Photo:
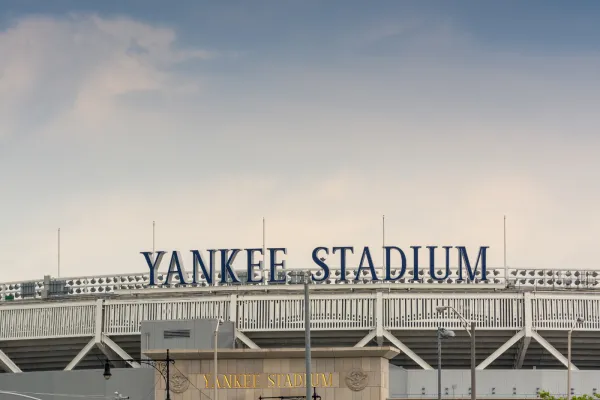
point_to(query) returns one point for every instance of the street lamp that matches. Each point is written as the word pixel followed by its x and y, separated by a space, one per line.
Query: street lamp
pixel 166 376
pixel 575 323
pixel 442 333
pixel 216 382
pixel 471 333
pixel 304 277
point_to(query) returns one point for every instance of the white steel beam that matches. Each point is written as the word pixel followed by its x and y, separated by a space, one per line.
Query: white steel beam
pixel 528 329
pixel 364 341
pixel 246 340
pixel 108 342
pixel 81 355
pixel 509 343
pixel 401 346
pixel 552 350
pixel 8 364
pixel 99 320
pixel 520 357
pixel 379 319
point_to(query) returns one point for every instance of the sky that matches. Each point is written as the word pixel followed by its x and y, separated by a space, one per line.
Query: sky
pixel 320 117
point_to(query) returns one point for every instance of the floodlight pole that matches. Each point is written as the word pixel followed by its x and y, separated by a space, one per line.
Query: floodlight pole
pixel 471 333
pixel 216 349
pixel 439 371
pixel 473 362
pixel 577 321
pixel 307 334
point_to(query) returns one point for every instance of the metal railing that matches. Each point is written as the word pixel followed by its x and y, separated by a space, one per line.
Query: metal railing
pixel 278 312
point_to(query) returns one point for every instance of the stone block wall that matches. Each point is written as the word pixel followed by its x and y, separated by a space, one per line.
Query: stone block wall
pixel 344 378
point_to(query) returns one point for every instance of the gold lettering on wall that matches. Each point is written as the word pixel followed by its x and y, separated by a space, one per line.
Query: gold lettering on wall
pixel 274 381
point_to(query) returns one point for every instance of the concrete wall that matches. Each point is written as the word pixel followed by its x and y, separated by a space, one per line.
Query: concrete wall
pixel 490 383
pixel 138 384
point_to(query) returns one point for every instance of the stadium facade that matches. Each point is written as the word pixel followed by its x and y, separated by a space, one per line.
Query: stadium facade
pixel 522 318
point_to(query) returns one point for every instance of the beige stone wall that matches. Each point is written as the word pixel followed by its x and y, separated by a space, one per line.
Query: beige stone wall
pixel 194 387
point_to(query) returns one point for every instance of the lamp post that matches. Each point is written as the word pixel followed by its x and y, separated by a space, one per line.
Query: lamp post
pixel 471 333
pixel 442 333
pixel 166 376
pixel 575 323
pixel 216 382
pixel 304 278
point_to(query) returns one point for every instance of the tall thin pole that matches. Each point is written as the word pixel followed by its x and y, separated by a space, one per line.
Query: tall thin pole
pixel 58 253
pixel 569 366
pixel 473 361
pixel 505 267
pixel 216 382
pixel 439 349
pixel 265 276
pixel 168 377
pixel 383 241
pixel 307 335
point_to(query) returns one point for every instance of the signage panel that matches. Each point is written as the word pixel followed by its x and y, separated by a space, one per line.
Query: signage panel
pixel 205 266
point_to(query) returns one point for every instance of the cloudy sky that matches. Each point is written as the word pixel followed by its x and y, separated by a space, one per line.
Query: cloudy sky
pixel 319 116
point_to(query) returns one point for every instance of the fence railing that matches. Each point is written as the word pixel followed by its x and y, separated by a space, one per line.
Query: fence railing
pixel 43 321
pixel 280 312
pixel 418 311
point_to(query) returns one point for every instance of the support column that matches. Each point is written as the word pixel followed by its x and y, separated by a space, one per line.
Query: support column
pixel 233 318
pixel 364 341
pixel 110 349
pixel 8 364
pixel 509 343
pixel 553 351
pixel 411 354
pixel 379 319
pixel 527 330
pixel 81 355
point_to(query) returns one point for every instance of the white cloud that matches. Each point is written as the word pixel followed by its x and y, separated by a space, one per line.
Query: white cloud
pixel 73 69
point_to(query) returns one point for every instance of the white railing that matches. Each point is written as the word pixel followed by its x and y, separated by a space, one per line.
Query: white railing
pixel 279 313
pixel 418 311
pixel 43 321
pixel 286 313
pixel 559 312
pixel 125 317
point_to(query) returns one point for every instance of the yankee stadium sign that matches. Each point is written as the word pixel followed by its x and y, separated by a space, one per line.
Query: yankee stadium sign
pixel 205 267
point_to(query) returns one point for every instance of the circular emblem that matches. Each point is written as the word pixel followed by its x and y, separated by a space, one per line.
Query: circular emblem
pixel 357 379
pixel 179 383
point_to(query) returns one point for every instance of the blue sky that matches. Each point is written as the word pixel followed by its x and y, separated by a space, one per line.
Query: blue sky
pixel 319 116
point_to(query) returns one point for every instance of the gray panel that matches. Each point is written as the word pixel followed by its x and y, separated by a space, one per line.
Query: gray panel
pixel 201 334
pixel 138 384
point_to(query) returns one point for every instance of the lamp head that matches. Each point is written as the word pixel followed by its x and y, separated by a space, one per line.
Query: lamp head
pixel 441 308
pixel 580 320
pixel 107 373
pixel 446 333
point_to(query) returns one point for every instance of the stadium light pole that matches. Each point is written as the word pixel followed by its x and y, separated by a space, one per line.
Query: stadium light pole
pixel 442 333
pixel 471 333
pixel 307 333
pixel 303 277
pixel 575 323
pixel 216 382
